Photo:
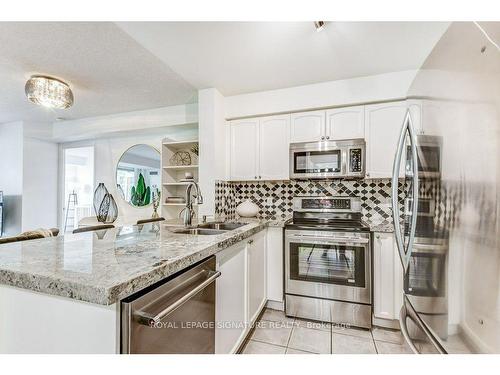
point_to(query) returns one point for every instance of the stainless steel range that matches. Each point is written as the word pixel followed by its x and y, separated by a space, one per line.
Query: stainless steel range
pixel 328 261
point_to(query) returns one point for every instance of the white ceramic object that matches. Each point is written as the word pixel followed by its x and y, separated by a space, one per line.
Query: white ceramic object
pixel 247 209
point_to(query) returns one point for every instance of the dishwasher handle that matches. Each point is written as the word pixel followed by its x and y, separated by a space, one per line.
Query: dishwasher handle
pixel 147 319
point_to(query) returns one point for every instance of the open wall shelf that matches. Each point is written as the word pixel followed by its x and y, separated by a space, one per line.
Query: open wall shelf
pixel 173 174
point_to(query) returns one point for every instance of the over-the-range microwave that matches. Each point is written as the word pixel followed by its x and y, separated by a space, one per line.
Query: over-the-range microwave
pixel 328 159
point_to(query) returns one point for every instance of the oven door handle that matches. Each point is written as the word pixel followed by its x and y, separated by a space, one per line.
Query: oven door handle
pixel 328 241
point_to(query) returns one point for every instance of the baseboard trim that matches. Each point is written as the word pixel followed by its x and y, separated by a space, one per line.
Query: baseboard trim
pixel 275 305
pixel 385 323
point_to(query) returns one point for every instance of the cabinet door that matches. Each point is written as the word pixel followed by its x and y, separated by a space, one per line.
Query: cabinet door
pixel 230 304
pixel 274 143
pixel 345 123
pixel 274 257
pixel 387 278
pixel 383 124
pixel 307 126
pixel 256 275
pixel 244 136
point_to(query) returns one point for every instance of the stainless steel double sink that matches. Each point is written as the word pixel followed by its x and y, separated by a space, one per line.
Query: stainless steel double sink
pixel 207 229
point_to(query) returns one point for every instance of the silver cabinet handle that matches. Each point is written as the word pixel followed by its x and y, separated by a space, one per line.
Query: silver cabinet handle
pixel 322 138
pixel 260 177
pixel 407 127
pixel 250 242
pixel 327 137
pixel 255 177
pixel 148 320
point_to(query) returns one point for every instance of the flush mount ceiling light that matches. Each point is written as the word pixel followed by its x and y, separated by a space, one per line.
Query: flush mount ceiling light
pixel 319 25
pixel 49 92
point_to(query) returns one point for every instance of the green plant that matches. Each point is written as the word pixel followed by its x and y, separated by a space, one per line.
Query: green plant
pixel 140 194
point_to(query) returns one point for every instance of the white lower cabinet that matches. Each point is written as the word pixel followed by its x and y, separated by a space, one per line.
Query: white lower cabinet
pixel 387 277
pixel 230 302
pixel 256 274
pixel 240 291
pixel 275 266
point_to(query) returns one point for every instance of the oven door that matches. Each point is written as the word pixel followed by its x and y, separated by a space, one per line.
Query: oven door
pixel 325 265
pixel 316 162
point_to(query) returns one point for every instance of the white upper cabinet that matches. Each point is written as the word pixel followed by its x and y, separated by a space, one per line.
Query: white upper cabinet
pixel 308 126
pixel 345 123
pixel 383 124
pixel 387 278
pixel 259 148
pixel 274 144
pixel 244 138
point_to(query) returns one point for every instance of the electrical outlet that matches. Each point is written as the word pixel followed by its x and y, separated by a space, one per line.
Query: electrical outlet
pixel 269 201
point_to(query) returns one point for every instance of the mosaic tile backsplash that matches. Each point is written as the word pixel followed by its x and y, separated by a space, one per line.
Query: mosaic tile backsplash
pixel 274 198
pixel 453 200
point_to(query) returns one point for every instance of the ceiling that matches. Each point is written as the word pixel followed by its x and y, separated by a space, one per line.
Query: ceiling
pixel 124 67
pixel 242 57
pixel 107 70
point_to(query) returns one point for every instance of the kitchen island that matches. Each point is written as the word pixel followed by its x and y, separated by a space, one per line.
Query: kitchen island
pixel 62 294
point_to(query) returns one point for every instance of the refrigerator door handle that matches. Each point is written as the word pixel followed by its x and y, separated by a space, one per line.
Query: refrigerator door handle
pixel 407 127
pixel 407 312
pixel 403 315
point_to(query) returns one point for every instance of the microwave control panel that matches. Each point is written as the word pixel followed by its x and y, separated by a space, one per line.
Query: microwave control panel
pixel 355 160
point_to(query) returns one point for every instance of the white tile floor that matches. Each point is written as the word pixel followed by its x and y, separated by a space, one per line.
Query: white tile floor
pixel 277 334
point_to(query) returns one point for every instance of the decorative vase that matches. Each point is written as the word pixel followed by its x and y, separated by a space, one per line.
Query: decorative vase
pixel 156 203
pixel 112 211
pixel 99 194
pixel 247 209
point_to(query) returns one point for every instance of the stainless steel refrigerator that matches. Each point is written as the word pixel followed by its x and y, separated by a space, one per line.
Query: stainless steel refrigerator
pixel 446 209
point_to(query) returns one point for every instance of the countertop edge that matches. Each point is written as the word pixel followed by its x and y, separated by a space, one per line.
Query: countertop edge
pixel 107 296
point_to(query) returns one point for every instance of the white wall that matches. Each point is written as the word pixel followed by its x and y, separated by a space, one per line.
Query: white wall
pixel 107 153
pixel 123 123
pixel 11 158
pixel 214 110
pixel 40 184
pixel 212 136
pixel 28 177
pixel 11 175
pixel 381 87
pixel 114 134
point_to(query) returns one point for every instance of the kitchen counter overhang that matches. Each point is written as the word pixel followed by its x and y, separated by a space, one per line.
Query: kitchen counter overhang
pixel 103 268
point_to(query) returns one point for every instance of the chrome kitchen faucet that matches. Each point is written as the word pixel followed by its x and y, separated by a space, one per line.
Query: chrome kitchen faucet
pixel 188 211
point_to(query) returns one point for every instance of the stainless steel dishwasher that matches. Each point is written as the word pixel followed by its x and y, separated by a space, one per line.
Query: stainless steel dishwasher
pixel 175 317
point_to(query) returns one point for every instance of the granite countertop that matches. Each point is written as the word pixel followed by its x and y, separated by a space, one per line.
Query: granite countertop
pixel 105 270
pixel 270 222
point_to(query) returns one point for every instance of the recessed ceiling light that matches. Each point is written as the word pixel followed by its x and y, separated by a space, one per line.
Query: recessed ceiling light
pixel 319 25
pixel 49 92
